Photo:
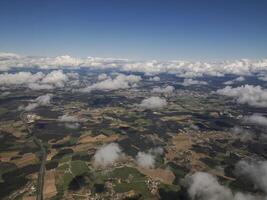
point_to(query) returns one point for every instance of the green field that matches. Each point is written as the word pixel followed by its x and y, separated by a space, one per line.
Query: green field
pixel 70 169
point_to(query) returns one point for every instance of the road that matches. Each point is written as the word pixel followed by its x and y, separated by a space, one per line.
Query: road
pixel 41 174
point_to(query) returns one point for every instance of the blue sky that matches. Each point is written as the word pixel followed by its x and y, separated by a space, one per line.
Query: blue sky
pixel 136 29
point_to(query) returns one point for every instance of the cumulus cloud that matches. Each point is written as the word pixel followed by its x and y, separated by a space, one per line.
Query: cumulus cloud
pixel 248 94
pixel 8 61
pixel 74 125
pixel 238 79
pixel 165 90
pixel 20 78
pixel 7 56
pixel 5 93
pixel 68 118
pixel 191 69
pixel 43 100
pixel 57 78
pixel 155 78
pixel 145 160
pixel 37 81
pixel 71 118
pixel 262 76
pixel 189 81
pixel 119 82
pixel 182 68
pixel 37 86
pixel 153 103
pixel 102 77
pixel 71 121
pixel 156 151
pixel 242 134
pixel 256 119
pixel 255 171
pixel 204 186
pixel 107 155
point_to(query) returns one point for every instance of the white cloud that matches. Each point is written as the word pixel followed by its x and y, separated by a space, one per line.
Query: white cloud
pixel 262 76
pixel 119 82
pixel 8 56
pixel 71 118
pixel 20 78
pixel 248 94
pixel 43 100
pixel 5 93
pixel 204 186
pixel 74 125
pixel 153 103
pixel 156 151
pixel 166 90
pixel 242 134
pixel 107 155
pixel 102 77
pixel 37 86
pixel 37 81
pixel 57 78
pixel 188 82
pixel 72 121
pixel 68 118
pixel 255 171
pixel 155 78
pixel 256 119
pixel 238 79
pixel 182 68
pixel 145 160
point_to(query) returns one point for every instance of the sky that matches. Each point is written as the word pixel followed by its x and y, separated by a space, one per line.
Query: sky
pixel 136 29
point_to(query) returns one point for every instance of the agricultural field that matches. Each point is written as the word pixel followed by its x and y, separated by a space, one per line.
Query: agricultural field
pixel 134 143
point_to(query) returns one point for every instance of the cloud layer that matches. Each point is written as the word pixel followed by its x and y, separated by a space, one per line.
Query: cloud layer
pixel 37 81
pixel 165 90
pixel 189 81
pixel 180 67
pixel 238 79
pixel 247 94
pixel 119 82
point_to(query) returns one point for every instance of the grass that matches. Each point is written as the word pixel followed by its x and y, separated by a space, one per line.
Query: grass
pixel 170 188
pixel 73 140
pixel 78 167
pixel 137 183
pixel 169 191
pixel 143 122
pixel 3 111
pixel 67 172
pixel 124 172
pixel 107 131
pixel 5 169
pixel 137 186
pixel 65 158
